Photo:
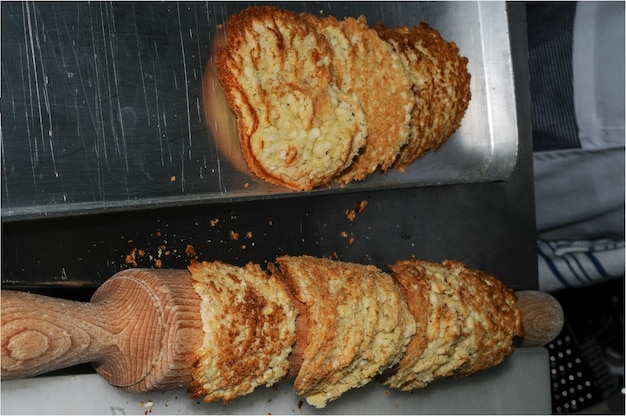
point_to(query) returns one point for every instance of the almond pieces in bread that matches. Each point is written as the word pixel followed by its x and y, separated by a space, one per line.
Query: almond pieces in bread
pixel 249 320
pixel 441 84
pixel 335 326
pixel 466 321
pixel 358 324
pixel 366 65
pixel 296 128
pixel 319 100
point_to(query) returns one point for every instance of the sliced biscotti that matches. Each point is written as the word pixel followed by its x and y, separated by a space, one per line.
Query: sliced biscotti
pixel 441 83
pixel 357 324
pixel 248 320
pixel 367 66
pixel 471 321
pixel 296 128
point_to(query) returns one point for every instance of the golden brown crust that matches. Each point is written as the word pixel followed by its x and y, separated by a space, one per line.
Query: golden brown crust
pixel 307 110
pixel 357 324
pixel 441 84
pixel 249 328
pixel 296 128
pixel 359 56
pixel 472 319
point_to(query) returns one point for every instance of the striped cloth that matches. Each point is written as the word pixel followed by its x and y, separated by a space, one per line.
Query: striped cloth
pixel 550 38
pixel 576 67
pixel 567 264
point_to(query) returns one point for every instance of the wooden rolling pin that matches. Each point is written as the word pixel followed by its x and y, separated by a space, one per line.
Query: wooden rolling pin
pixel 143 326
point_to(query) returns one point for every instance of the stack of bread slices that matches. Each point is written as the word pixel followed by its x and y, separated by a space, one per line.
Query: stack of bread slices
pixel 333 326
pixel 321 101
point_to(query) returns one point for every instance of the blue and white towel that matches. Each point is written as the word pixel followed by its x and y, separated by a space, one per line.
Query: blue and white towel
pixel 567 264
pixel 576 62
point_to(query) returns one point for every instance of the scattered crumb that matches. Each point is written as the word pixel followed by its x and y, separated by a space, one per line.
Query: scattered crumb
pixel 214 222
pixel 246 185
pixel 131 258
pixel 300 403
pixel 233 235
pixel 249 234
pixel 351 240
pixel 173 178
pixel 190 251
pixel 359 207
pixel 343 234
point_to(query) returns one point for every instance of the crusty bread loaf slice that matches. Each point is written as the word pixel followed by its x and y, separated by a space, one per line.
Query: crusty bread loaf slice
pixel 357 324
pixel 366 65
pixel 472 319
pixel 441 83
pixel 248 320
pixel 296 128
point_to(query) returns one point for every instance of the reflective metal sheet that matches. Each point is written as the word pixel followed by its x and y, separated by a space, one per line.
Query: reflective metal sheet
pixel 103 105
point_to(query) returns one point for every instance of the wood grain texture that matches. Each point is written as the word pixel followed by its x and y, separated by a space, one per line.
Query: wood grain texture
pixel 140 331
pixel 542 317
pixel 41 334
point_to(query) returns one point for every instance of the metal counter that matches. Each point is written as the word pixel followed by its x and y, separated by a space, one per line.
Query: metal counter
pixel 67 246
pixel 110 106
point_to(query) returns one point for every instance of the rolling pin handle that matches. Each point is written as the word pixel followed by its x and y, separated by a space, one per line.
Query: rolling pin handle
pixel 141 331
pixel 42 334
pixel 542 317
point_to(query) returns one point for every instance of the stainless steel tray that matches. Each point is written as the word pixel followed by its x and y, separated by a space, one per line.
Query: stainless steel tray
pixel 102 104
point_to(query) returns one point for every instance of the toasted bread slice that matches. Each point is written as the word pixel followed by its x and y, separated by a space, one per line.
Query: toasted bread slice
pixel 296 128
pixel 249 320
pixel 357 324
pixel 472 319
pixel 366 65
pixel 441 84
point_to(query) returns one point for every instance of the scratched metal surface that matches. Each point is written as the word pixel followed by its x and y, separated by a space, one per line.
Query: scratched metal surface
pixel 103 108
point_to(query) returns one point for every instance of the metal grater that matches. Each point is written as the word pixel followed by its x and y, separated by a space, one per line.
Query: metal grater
pixel 573 387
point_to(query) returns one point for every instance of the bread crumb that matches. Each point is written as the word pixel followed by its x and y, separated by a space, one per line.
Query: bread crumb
pixel 360 206
pixel 343 234
pixel 132 258
pixel 173 178
pixel 190 251
pixel 214 222
pixel 234 235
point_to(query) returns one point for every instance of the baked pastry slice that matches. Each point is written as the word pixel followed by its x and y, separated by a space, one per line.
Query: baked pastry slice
pixel 296 128
pixel 249 320
pixel 441 85
pixel 358 325
pixel 466 322
pixel 367 66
